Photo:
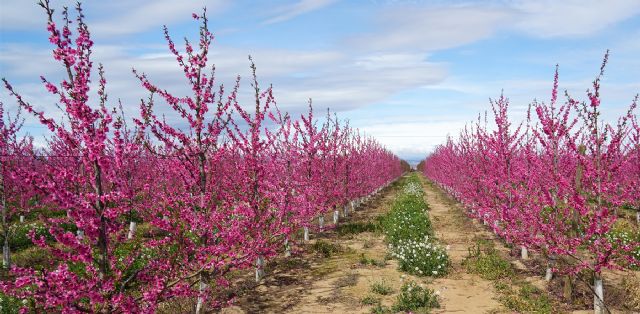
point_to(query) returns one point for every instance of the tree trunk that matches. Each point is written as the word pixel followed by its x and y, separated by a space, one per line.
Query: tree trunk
pixel 259 268
pixel 201 289
pixel 132 230
pixel 6 253
pixel 549 274
pixel 287 248
pixel 567 289
pixel 550 263
pixel 598 297
pixel 102 232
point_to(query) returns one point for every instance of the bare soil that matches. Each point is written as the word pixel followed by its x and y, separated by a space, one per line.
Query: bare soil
pixel 454 228
pixel 460 291
pixel 309 282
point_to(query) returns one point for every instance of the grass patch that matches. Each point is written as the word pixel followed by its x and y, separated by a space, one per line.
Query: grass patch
pixel 421 258
pixel 367 244
pixel 9 305
pixel 381 288
pixel 357 227
pixel 34 256
pixel 347 281
pixel 326 249
pixel 380 309
pixel 487 263
pixel 20 240
pixel 364 260
pixel 408 231
pixel 407 219
pixel 625 233
pixel 414 298
pixel 526 299
pixel 370 300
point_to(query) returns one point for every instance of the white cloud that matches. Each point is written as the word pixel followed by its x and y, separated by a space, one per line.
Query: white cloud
pixel 293 10
pixel 364 80
pixel 427 28
pixel 25 15
pixel 109 18
pixel 572 18
pixel 333 79
pixel 134 17
pixel 442 25
pixel 413 140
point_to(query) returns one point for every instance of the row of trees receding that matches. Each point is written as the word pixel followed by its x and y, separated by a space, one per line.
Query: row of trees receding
pixel 137 215
pixel 556 183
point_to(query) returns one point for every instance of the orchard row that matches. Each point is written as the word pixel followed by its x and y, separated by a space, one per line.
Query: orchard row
pixel 563 183
pixel 132 216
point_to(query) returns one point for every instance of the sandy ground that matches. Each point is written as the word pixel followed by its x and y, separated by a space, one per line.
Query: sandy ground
pixel 336 284
pixel 453 228
pixel 310 283
pixel 460 292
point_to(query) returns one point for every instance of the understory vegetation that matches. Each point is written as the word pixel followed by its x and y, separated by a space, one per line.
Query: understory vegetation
pixel 408 231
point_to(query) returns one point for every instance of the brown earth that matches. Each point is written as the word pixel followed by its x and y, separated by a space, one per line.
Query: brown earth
pixel 334 284
pixel 338 284
pixel 460 291
pixel 309 282
pixel 452 227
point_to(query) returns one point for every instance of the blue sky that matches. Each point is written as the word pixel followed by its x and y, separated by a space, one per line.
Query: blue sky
pixel 406 72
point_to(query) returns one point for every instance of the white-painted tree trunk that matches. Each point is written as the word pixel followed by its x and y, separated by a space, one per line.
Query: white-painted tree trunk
pixel 598 298
pixel 6 254
pixel 306 233
pixel 287 248
pixel 259 268
pixel 336 215
pixel 524 253
pixel 638 217
pixel 345 211
pixel 201 288
pixel 132 230
pixel 549 274
pixel 550 263
pixel 321 223
pixel 21 218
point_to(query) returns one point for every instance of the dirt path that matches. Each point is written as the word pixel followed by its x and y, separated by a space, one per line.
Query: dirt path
pixel 460 292
pixel 311 283
pixel 468 293
pixel 335 271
